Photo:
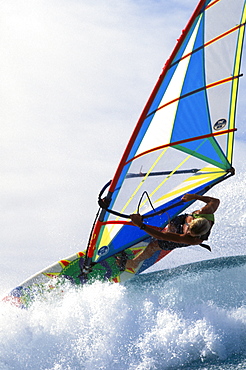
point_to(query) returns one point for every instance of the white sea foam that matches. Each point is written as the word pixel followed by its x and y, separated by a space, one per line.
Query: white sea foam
pixel 164 320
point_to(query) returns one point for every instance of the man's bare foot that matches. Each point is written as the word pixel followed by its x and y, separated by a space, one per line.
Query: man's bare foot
pixel 132 264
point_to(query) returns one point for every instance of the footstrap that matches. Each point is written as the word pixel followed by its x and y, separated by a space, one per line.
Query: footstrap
pixel 122 260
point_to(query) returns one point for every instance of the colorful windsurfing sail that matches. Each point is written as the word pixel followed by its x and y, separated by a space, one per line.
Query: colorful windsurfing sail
pixel 183 141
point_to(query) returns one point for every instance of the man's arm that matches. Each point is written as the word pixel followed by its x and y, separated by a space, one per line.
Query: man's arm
pixel 172 237
pixel 211 206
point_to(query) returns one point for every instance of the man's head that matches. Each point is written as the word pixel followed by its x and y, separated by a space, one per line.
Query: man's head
pixel 199 226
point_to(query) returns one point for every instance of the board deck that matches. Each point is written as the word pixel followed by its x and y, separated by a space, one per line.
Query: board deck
pixel 70 270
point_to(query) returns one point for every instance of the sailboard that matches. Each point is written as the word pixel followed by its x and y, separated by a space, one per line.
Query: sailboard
pixel 182 143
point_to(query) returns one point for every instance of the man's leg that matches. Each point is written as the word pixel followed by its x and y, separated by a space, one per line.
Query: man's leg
pixel 151 248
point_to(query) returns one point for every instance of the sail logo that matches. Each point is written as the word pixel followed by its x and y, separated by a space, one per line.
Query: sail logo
pixel 103 251
pixel 220 124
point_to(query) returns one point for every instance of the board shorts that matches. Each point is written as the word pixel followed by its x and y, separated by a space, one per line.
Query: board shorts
pixel 178 222
pixel 166 245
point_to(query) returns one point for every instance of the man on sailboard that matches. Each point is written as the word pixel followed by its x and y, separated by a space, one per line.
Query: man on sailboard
pixel 182 231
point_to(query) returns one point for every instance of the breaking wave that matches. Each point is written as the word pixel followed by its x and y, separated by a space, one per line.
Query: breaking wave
pixel 192 316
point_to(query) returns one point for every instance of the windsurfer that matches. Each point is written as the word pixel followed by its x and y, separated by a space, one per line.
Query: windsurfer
pixel 182 231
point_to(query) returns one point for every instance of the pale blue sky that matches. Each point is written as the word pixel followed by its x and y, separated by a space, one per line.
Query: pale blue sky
pixel 75 76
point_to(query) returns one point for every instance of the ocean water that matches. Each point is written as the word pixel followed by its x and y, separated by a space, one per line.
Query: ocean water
pixel 188 317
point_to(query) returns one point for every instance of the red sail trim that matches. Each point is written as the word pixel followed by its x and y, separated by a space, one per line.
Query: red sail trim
pixel 199 8
pixel 181 142
pixel 96 231
pixel 92 245
pixel 209 86
pixel 116 223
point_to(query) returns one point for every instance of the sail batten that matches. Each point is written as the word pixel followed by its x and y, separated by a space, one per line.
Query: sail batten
pixel 234 29
pixel 182 142
pixel 209 86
